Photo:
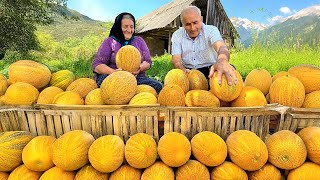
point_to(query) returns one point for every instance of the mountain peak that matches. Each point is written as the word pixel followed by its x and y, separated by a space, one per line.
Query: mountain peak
pixel 309 11
pixel 247 24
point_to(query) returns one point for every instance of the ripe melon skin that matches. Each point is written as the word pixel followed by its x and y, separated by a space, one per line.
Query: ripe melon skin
pixel 31 72
pixel 62 79
pixel 20 93
pixel 128 58
pixel 118 88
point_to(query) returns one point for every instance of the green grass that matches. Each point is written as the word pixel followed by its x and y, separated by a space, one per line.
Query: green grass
pixel 273 59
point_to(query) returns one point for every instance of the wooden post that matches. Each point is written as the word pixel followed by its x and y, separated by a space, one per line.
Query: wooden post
pixel 210 12
pixel 169 42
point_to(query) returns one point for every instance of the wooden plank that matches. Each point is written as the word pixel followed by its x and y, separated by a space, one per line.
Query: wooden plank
pixel 85 123
pixel 217 125
pixel 133 124
pixel 125 127
pixel 210 12
pixel 94 126
pixel 41 124
pixel 140 124
pixel 117 126
pixel 32 123
pixel 240 122
pixel 177 121
pixel 76 121
pixel 50 126
pixel 149 125
pixel 185 127
pixel 58 125
pixel 210 123
pixel 233 121
pixel 287 123
pixel 109 125
pixel 156 129
pixel 225 127
pixel 65 123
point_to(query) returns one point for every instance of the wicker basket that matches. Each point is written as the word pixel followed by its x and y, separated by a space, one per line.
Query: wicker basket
pixel 55 120
pixel 223 121
pixel 295 119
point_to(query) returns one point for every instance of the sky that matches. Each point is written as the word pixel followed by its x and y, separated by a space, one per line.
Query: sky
pixel 264 11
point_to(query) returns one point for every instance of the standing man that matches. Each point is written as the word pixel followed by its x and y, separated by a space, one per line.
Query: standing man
pixel 199 46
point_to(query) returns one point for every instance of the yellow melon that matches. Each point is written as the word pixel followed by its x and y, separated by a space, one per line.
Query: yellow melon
pixel 146 88
pixel 62 79
pixel 118 88
pixel 23 173
pixel 3 84
pixel 249 96
pixel 287 91
pixel 227 171
pixel 306 171
pixel 197 80
pixel 158 171
pixel 21 93
pixel 279 74
pixel 224 91
pixel 106 154
pixel 128 58
pixel 267 172
pixel 286 150
pixel 171 95
pixel 209 148
pixel 57 173
pixel 70 151
pixel 201 98
pixel 88 172
pixel 4 175
pixel 11 146
pixel 31 72
pixel 82 86
pixel 192 170
pixel 141 150
pixel 143 98
pixel 311 138
pixel 126 172
pixel 37 154
pixel 260 79
pixel 94 97
pixel 68 98
pixel 174 149
pixel 309 75
pixel 312 100
pixel 247 150
pixel 177 77
pixel 47 95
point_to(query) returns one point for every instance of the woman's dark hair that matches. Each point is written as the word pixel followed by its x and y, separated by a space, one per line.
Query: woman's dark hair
pixel 116 30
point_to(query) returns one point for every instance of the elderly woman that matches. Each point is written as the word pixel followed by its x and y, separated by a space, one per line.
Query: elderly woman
pixel 121 34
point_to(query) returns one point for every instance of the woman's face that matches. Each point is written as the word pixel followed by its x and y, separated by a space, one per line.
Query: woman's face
pixel 127 27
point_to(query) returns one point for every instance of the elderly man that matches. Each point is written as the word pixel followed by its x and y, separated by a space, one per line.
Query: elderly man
pixel 200 46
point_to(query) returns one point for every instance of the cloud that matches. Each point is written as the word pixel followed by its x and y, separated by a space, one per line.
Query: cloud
pixel 285 10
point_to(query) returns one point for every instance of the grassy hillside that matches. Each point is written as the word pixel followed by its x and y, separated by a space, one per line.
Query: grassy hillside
pixel 71 24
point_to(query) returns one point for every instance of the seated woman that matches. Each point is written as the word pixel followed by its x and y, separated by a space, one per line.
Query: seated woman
pixel 121 34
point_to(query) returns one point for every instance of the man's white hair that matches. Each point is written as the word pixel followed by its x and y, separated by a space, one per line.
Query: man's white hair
pixel 188 9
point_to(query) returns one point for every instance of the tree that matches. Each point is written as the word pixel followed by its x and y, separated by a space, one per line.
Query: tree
pixel 18 21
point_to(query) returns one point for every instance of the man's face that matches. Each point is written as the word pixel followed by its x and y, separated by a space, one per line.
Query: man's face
pixel 192 23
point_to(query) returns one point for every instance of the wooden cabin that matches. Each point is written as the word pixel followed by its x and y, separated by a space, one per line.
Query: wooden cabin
pixel 157 27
